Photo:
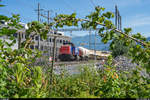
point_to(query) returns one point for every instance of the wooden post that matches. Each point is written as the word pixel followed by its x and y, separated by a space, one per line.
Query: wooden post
pixel 53 59
pixel 19 40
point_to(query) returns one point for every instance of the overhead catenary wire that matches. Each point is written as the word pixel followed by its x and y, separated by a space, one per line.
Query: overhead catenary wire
pixel 92 3
pixel 115 29
pixel 22 17
pixel 70 7
pixel 90 31
pixel 27 4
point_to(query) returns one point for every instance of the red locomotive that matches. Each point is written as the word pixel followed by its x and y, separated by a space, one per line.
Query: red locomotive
pixel 68 52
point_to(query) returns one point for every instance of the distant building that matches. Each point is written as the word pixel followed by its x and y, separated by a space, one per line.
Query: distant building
pixel 44 45
pixel 47 45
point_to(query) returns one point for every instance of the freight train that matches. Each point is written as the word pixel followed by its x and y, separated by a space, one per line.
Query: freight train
pixel 68 52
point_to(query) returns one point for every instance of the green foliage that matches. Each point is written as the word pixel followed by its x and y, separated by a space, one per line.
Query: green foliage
pixel 106 83
pixel 120 47
pixel 18 78
pixel 69 20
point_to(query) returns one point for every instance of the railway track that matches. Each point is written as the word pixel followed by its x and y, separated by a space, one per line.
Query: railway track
pixel 66 63
pixel 70 62
pixel 74 62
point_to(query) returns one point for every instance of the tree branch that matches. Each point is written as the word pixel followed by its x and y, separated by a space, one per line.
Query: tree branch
pixel 126 35
pixel 28 41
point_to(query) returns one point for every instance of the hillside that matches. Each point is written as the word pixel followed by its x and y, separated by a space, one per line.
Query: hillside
pixel 85 39
pixel 148 38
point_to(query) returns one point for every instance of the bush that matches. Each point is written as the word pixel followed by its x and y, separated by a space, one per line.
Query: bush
pixel 120 48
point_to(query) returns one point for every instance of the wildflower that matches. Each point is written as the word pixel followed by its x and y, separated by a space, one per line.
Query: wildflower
pixel 112 76
pixel 108 69
pixel 104 78
pixel 116 75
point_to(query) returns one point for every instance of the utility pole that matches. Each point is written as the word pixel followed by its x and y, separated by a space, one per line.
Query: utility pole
pixel 70 33
pixel 90 39
pixel 118 21
pixel 38 12
pixel 120 24
pixel 95 46
pixel 56 14
pixel 48 15
pixel 116 16
pixel 19 40
pixel 53 59
pixel 38 15
pixel 38 18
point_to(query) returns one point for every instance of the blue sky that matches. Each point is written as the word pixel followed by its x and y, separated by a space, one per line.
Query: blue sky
pixel 135 13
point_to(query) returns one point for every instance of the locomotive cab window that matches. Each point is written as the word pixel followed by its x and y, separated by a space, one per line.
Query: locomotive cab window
pixel 37 38
pixel 50 40
pixel 15 35
pixel 63 41
pixel 60 41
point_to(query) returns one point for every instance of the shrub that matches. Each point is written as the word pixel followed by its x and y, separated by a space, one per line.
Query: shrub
pixel 119 48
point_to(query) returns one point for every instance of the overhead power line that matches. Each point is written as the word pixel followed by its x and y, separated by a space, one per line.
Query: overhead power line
pixel 92 3
pixel 25 3
pixel 67 4
pixel 22 17
pixel 76 29
pixel 70 7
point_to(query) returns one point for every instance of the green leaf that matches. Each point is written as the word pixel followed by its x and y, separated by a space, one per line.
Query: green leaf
pixel 108 37
pixel 127 30
pixel 108 15
pixel 107 23
pixel 2 5
pixel 112 46
pixel 101 19
pixel 102 8
pixel 131 49
pixel 122 36
pixel 115 35
pixel 5 18
pixel 104 40
pixel 147 55
pixel 138 46
pixel 101 30
pixel 73 15
pixel 127 43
